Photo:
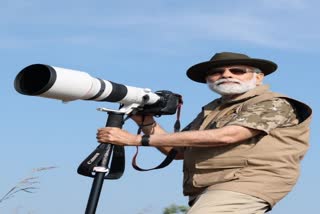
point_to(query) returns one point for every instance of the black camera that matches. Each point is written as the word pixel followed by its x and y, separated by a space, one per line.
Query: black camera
pixel 166 105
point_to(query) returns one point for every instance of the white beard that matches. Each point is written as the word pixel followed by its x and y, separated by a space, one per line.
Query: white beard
pixel 238 87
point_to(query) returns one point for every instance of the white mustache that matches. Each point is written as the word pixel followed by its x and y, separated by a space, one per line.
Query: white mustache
pixel 218 82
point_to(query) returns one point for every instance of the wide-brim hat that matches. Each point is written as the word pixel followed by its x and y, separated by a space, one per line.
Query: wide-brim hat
pixel 199 71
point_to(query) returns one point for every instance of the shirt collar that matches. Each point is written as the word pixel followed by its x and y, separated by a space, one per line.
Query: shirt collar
pixel 261 89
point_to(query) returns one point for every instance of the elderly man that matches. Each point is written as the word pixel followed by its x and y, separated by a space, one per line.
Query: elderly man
pixel 242 152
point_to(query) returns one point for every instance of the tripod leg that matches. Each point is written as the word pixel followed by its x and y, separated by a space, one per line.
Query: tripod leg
pixel 98 183
pixel 114 120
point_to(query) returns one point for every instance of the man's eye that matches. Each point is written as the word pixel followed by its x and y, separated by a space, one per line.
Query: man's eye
pixel 238 71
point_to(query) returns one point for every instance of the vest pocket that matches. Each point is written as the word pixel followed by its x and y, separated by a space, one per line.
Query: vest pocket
pixel 217 170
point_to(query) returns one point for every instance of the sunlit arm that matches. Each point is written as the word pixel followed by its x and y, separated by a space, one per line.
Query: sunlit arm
pixel 164 141
pixel 206 138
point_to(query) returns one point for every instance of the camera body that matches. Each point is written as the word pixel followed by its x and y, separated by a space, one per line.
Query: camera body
pixel 166 105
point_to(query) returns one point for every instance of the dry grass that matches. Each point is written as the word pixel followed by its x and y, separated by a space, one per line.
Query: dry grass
pixel 28 184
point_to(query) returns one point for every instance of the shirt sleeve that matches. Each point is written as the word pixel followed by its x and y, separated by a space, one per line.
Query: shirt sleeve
pixel 266 115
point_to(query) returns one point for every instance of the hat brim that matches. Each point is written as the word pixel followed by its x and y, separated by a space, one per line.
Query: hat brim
pixel 199 71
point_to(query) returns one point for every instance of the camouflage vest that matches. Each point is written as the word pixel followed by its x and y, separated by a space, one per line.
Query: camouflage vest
pixel 266 167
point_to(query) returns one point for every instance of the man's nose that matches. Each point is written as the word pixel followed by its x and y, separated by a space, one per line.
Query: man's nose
pixel 226 73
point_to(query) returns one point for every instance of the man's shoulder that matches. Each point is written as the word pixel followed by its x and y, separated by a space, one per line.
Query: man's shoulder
pixel 275 106
pixel 278 102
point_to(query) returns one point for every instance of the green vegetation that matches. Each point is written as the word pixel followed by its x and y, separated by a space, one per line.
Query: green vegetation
pixel 175 209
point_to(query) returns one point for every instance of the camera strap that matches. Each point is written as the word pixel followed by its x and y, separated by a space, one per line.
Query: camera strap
pixel 102 152
pixel 177 123
pixel 171 154
pixel 170 157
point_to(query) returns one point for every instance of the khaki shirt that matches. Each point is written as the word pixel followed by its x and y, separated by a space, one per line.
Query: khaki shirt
pixel 265 116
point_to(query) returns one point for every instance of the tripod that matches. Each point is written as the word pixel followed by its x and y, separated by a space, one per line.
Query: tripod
pixel 96 165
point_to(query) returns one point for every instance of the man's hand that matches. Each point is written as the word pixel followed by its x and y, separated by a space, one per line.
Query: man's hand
pixel 117 136
pixel 140 119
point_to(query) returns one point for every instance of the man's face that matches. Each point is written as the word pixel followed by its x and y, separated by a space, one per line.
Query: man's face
pixel 232 80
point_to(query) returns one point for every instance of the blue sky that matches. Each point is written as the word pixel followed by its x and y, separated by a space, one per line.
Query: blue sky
pixel 143 44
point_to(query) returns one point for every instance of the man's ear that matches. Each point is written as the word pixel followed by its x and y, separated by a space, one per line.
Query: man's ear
pixel 259 78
